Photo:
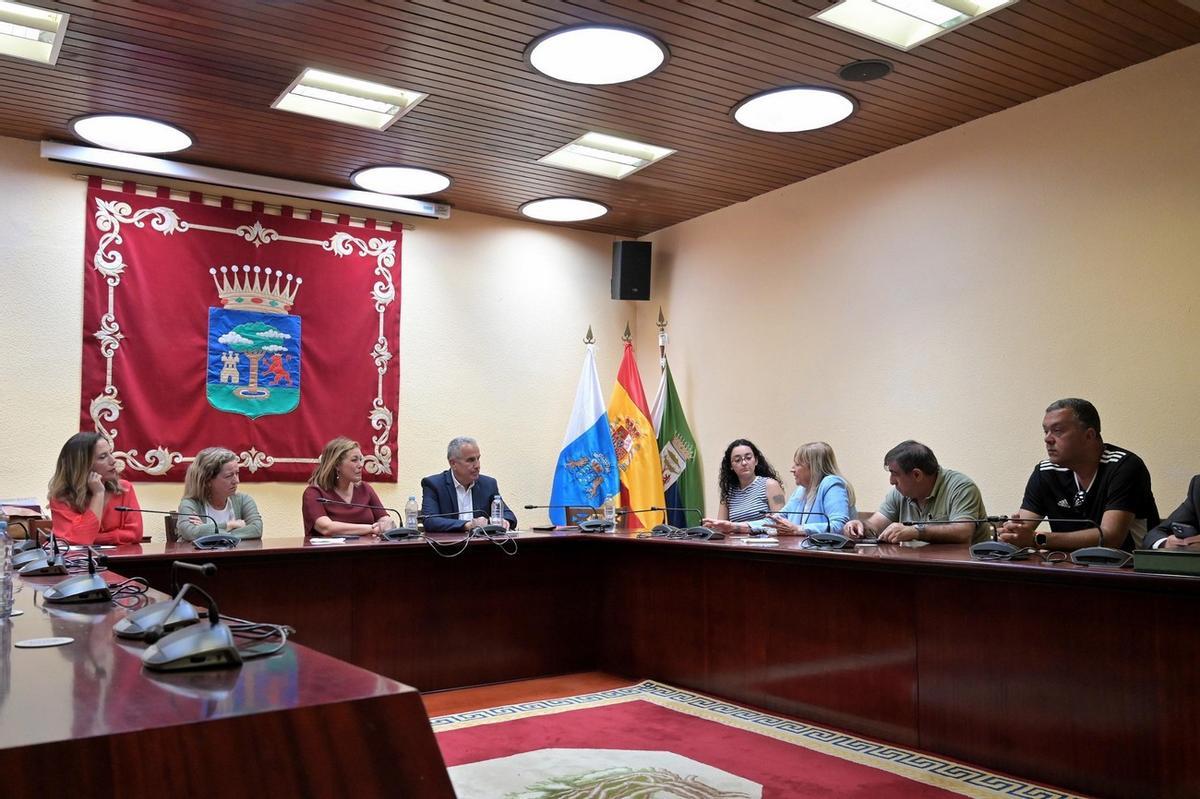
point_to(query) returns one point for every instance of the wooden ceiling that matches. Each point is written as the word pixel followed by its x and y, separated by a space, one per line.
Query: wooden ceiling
pixel 214 68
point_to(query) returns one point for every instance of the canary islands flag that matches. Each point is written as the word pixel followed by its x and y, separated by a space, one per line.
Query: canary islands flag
pixel 683 484
pixel 586 473
pixel 635 445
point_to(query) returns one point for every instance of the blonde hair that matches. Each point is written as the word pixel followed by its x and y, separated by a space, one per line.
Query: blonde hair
pixel 203 469
pixel 70 480
pixel 325 475
pixel 821 462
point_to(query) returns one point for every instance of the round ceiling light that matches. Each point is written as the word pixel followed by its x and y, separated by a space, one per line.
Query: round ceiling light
pixel 130 134
pixel 563 209
pixel 793 108
pixel 408 181
pixel 596 55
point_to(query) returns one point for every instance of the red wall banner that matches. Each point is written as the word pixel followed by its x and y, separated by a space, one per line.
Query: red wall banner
pixel 211 326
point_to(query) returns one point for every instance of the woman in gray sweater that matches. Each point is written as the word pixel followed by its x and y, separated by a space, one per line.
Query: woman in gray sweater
pixel 210 489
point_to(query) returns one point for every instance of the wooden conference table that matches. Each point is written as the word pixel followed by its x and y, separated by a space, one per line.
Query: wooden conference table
pixel 85 719
pixel 1075 676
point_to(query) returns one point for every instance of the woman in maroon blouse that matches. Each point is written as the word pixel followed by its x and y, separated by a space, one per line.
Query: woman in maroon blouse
pixel 333 503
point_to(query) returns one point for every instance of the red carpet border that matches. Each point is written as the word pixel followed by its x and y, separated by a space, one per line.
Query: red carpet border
pixel 928 770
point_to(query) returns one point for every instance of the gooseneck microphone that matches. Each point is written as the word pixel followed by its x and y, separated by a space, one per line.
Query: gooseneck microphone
pixel 160 618
pixel 214 540
pixel 81 588
pixel 45 563
pixel 1099 555
pixel 665 530
pixel 199 646
pixel 587 525
pixel 397 533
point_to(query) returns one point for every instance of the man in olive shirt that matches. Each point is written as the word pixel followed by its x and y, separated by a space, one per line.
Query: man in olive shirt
pixel 924 492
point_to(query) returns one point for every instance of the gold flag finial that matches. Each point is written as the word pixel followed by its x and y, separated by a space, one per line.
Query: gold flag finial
pixel 627 336
pixel 662 322
pixel 589 338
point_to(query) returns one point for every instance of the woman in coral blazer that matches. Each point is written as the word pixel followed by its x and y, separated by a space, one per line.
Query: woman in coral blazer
pixel 86 492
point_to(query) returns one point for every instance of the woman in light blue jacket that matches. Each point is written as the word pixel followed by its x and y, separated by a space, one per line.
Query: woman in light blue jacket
pixel 821 492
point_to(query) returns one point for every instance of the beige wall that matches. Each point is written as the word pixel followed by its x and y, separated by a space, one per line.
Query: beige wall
pixel 949 289
pixel 493 316
pixel 955 285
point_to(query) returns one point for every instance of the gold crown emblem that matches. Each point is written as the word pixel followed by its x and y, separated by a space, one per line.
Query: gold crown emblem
pixel 248 288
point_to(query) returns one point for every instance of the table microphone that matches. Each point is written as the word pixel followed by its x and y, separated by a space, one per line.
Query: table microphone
pixel 89 587
pixel 699 532
pixel 199 646
pixel 45 563
pixel 398 533
pixel 1099 555
pixel 163 617
pixel 214 540
pixel 31 555
pixel 587 525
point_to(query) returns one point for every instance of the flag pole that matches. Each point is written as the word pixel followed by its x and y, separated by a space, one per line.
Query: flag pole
pixel 662 341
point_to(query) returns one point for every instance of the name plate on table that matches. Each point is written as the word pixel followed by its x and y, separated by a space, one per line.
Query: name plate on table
pixel 1167 561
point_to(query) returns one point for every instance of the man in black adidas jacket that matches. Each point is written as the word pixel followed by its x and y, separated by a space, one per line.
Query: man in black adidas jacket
pixel 1095 494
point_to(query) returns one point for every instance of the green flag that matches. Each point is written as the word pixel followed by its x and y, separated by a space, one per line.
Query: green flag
pixel 682 481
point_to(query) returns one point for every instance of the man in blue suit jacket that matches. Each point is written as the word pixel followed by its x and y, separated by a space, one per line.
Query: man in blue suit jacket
pixel 461 488
pixel 1187 514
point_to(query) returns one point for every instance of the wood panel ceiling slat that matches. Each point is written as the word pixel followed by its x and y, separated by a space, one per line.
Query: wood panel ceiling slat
pixel 214 68
pixel 873 141
pixel 948 66
pixel 1148 30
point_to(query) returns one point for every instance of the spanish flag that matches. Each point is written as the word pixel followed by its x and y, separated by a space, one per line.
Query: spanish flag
pixel 636 445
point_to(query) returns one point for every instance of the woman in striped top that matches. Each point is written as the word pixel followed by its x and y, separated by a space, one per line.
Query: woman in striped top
pixel 750 489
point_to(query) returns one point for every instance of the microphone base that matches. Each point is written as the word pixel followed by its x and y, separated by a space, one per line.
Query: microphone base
pixel 1101 556
pixel 24 545
pixel 495 530
pixel 997 550
pixel 216 541
pixel 43 568
pixel 597 526
pixel 79 589
pixel 704 534
pixel 136 624
pixel 665 531
pixel 27 557
pixel 201 646
pixel 401 534
pixel 830 542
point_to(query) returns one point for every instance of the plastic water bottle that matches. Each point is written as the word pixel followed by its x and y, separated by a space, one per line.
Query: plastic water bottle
pixel 610 514
pixel 410 513
pixel 497 517
pixel 6 570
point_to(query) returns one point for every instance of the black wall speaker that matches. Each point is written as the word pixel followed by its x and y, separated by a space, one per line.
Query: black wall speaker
pixel 631 270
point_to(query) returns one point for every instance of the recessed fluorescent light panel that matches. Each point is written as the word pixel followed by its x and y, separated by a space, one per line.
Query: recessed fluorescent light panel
pixel 563 209
pixel 348 100
pixel 31 33
pixel 607 156
pixel 793 109
pixel 596 55
pixel 130 134
pixel 406 181
pixel 904 24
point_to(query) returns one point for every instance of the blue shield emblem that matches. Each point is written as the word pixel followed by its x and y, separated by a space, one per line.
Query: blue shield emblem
pixel 253 362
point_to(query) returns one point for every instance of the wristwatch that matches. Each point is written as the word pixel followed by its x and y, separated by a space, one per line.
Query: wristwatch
pixel 1040 540
pixel 920 528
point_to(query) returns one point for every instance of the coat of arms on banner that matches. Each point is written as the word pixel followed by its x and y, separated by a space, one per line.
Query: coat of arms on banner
pixel 254 343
